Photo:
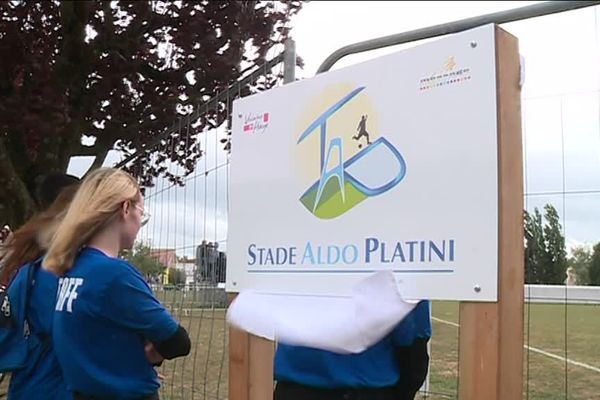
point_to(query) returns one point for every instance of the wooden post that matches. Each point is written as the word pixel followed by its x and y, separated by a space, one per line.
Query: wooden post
pixel 250 366
pixel 261 368
pixel 491 334
pixel 239 360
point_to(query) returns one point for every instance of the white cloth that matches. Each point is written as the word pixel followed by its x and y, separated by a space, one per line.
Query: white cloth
pixel 339 324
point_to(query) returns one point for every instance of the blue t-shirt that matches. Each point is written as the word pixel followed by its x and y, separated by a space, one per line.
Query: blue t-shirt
pixel 104 312
pixel 373 368
pixel 42 377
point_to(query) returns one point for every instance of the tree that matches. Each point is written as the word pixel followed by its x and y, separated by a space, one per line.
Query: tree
pixel 84 77
pixel 555 263
pixel 535 248
pixel 581 257
pixel 141 257
pixel 545 253
pixel 176 276
pixel 594 269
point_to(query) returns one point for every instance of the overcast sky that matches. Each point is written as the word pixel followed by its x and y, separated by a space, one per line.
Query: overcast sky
pixel 561 111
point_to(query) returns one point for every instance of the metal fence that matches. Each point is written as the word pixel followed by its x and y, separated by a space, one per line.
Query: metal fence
pixel 561 358
pixel 187 231
pixel 561 132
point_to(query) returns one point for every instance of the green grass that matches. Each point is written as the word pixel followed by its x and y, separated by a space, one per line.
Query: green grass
pixel 204 374
pixel 568 331
pixel 546 378
pixel 443 367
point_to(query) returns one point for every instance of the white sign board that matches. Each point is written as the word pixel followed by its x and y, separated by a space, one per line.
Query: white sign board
pixel 388 164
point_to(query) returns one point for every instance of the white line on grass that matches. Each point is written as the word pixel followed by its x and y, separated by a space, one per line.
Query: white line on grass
pixel 443 321
pixel 535 350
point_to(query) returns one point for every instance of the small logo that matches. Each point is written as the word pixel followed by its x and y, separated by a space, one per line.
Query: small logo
pixel 255 123
pixel 450 64
pixel 450 74
pixel 6 307
pixel 373 169
pixel 6 319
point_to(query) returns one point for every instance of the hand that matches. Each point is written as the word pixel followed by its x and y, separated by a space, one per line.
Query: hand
pixel 152 355
pixel 161 377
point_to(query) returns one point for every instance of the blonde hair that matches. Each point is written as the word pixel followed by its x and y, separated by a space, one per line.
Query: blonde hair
pixel 95 205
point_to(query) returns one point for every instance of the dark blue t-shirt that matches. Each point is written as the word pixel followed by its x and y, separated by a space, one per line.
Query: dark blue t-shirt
pixel 104 313
pixel 42 377
pixel 373 368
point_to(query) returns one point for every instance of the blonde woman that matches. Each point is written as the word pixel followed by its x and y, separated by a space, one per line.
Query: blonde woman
pixel 109 329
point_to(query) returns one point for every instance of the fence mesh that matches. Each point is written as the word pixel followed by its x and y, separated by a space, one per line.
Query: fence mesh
pixel 561 129
pixel 187 232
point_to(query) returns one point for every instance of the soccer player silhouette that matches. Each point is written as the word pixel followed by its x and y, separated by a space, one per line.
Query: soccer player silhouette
pixel 362 130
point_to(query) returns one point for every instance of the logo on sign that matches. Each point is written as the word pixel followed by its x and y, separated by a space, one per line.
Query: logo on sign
pixel 256 123
pixel 353 164
pixel 450 74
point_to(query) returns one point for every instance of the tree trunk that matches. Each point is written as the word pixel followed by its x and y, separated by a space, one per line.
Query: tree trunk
pixel 16 203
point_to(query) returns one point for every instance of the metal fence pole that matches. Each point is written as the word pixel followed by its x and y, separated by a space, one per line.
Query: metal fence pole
pixel 221 96
pixel 289 61
pixel 536 10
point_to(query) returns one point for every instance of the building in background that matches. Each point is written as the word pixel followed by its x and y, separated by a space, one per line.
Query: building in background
pixel 168 258
pixel 188 266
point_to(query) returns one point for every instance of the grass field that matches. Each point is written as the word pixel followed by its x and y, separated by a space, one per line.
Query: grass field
pixel 546 378
pixel 204 374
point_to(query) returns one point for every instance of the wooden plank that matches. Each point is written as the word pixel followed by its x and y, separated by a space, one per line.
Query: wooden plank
pixel 478 352
pixel 491 335
pixel 261 368
pixel 511 256
pixel 250 365
pixel 239 362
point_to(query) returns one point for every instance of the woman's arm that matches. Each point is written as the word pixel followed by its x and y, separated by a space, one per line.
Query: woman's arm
pixel 178 345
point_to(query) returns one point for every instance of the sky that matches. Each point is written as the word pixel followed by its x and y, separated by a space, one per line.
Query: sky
pixel 561 112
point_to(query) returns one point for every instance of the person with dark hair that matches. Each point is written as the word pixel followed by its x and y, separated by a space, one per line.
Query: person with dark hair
pixel 51 185
pixel 22 282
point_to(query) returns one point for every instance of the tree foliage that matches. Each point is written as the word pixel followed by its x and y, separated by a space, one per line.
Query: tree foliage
pixel 176 276
pixel 81 78
pixel 545 252
pixel 594 267
pixel 141 257
pixel 580 259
